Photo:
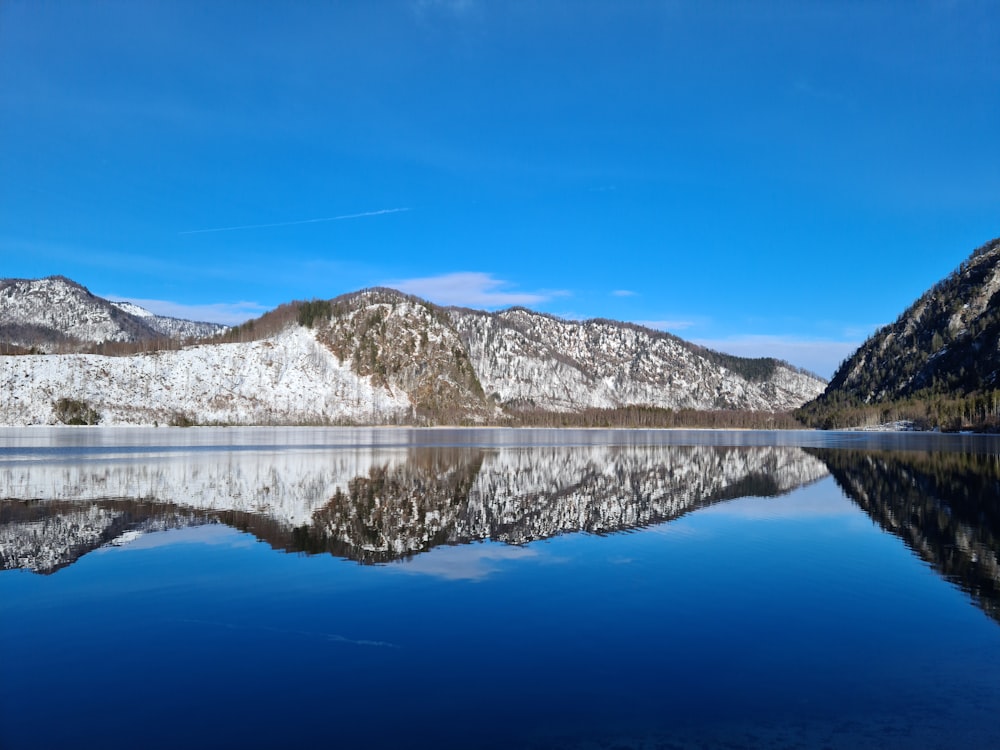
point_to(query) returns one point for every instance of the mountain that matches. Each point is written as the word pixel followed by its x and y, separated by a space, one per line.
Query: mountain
pixel 528 360
pixel 57 314
pixel 460 362
pixel 938 364
pixel 173 328
pixel 379 356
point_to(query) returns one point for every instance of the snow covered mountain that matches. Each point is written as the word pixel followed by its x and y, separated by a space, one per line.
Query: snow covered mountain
pixel 372 357
pixel 409 347
pixel 376 504
pixel 173 328
pixel 57 314
pixel 459 364
pixel 530 360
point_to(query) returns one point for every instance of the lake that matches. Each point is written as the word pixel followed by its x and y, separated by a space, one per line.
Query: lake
pixel 385 588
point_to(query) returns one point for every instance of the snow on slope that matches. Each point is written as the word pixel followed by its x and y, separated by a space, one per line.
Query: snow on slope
pixel 55 313
pixel 377 356
pixel 56 309
pixel 286 486
pixel 289 378
pixel 529 360
pixel 133 309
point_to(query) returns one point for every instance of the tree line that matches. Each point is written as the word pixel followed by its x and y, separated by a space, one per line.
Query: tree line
pixel 656 417
pixel 975 412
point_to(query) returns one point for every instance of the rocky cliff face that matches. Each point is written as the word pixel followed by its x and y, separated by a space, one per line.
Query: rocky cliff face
pixel 409 347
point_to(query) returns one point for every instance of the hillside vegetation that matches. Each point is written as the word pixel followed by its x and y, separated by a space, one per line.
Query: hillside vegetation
pixel 937 365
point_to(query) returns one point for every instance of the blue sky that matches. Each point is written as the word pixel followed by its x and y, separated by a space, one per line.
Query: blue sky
pixel 769 178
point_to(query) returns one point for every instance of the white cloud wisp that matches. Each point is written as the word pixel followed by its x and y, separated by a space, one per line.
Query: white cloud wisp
pixel 343 217
pixel 469 289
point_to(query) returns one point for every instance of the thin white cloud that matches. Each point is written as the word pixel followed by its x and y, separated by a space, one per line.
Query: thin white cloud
pixel 380 212
pixel 624 293
pixel 821 356
pixel 470 289
pixel 227 313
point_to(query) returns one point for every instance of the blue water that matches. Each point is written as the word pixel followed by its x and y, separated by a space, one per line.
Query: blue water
pixel 792 620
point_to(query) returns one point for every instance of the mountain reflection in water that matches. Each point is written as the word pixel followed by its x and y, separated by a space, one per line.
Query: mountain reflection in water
pixel 377 504
pixel 944 506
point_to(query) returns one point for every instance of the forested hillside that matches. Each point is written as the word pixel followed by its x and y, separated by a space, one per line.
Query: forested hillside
pixel 937 365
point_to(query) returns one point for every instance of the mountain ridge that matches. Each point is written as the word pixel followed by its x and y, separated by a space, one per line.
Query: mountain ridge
pixel 56 314
pixel 380 356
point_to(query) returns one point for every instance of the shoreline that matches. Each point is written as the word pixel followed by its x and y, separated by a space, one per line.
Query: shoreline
pixel 877 429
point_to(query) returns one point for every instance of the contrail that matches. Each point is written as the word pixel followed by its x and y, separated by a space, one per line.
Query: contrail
pixel 300 221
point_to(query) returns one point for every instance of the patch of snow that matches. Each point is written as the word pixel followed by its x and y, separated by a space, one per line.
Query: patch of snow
pixel 533 359
pixel 290 379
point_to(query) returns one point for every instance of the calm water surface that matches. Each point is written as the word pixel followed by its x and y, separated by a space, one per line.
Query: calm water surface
pixel 381 588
